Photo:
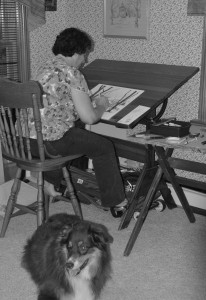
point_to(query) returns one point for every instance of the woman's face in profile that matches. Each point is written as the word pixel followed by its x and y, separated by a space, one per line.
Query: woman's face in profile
pixel 81 59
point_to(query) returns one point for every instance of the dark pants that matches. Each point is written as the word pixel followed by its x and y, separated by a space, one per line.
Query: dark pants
pixel 102 153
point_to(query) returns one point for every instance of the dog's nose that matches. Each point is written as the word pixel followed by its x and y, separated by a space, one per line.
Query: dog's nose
pixel 70 265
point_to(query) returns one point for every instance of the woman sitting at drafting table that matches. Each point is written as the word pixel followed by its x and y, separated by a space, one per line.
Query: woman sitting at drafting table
pixel 67 99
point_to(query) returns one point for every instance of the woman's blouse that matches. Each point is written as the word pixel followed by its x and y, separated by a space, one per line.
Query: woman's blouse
pixel 59 114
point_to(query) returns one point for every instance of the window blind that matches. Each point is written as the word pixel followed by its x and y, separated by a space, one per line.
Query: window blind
pixel 14 45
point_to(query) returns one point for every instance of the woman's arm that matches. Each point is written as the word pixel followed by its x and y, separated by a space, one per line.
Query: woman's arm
pixel 87 113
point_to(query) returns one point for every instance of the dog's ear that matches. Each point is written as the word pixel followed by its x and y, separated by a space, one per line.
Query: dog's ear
pixel 61 225
pixel 64 233
pixel 100 234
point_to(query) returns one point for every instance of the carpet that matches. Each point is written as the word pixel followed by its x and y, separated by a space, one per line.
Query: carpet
pixel 168 260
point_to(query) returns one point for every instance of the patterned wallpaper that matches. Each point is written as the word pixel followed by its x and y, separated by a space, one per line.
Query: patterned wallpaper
pixel 174 38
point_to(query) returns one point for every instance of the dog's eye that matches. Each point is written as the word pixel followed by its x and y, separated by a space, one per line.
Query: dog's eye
pixel 82 247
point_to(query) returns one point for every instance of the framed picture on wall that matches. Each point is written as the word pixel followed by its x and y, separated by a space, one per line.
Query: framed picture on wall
pixel 126 18
pixel 50 5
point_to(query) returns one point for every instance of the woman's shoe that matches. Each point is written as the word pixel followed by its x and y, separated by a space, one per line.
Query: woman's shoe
pixel 118 211
pixel 50 190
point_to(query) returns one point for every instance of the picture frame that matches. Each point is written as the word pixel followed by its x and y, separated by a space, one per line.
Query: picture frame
pixel 196 7
pixel 50 5
pixel 126 18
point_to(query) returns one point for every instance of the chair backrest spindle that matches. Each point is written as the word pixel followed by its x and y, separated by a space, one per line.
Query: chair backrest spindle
pixel 13 132
pixel 3 135
pixel 38 126
pixel 27 135
pixel 20 133
pixel 7 130
pixel 16 101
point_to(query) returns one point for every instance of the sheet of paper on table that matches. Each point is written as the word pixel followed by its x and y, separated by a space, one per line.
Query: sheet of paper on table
pixel 119 98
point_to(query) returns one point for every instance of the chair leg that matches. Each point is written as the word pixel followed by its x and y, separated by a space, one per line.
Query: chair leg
pixel 40 200
pixel 75 203
pixel 48 199
pixel 11 202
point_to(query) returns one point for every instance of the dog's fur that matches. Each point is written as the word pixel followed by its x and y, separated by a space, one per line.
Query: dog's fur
pixel 68 259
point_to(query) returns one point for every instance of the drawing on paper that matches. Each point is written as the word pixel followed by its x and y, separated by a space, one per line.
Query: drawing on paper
pixel 119 98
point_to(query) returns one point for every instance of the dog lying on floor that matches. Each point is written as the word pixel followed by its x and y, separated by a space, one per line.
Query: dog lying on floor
pixel 68 258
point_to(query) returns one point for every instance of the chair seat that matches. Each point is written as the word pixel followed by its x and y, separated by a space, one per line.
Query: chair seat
pixel 36 165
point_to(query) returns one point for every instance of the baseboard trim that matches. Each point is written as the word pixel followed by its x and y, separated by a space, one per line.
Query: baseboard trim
pixel 199 211
pixel 196 199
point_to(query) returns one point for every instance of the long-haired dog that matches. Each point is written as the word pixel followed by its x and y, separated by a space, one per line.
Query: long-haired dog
pixel 68 259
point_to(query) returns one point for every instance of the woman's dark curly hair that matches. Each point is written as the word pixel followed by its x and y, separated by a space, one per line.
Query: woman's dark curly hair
pixel 71 41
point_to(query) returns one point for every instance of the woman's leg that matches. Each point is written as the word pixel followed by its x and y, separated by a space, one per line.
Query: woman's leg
pixel 55 177
pixel 49 177
pixel 105 163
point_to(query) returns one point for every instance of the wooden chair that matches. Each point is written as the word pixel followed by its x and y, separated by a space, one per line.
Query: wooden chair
pixel 15 100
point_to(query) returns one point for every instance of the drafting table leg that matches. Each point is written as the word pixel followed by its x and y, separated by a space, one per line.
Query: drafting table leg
pixel 169 173
pixel 126 218
pixel 165 191
pixel 166 194
pixel 144 211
